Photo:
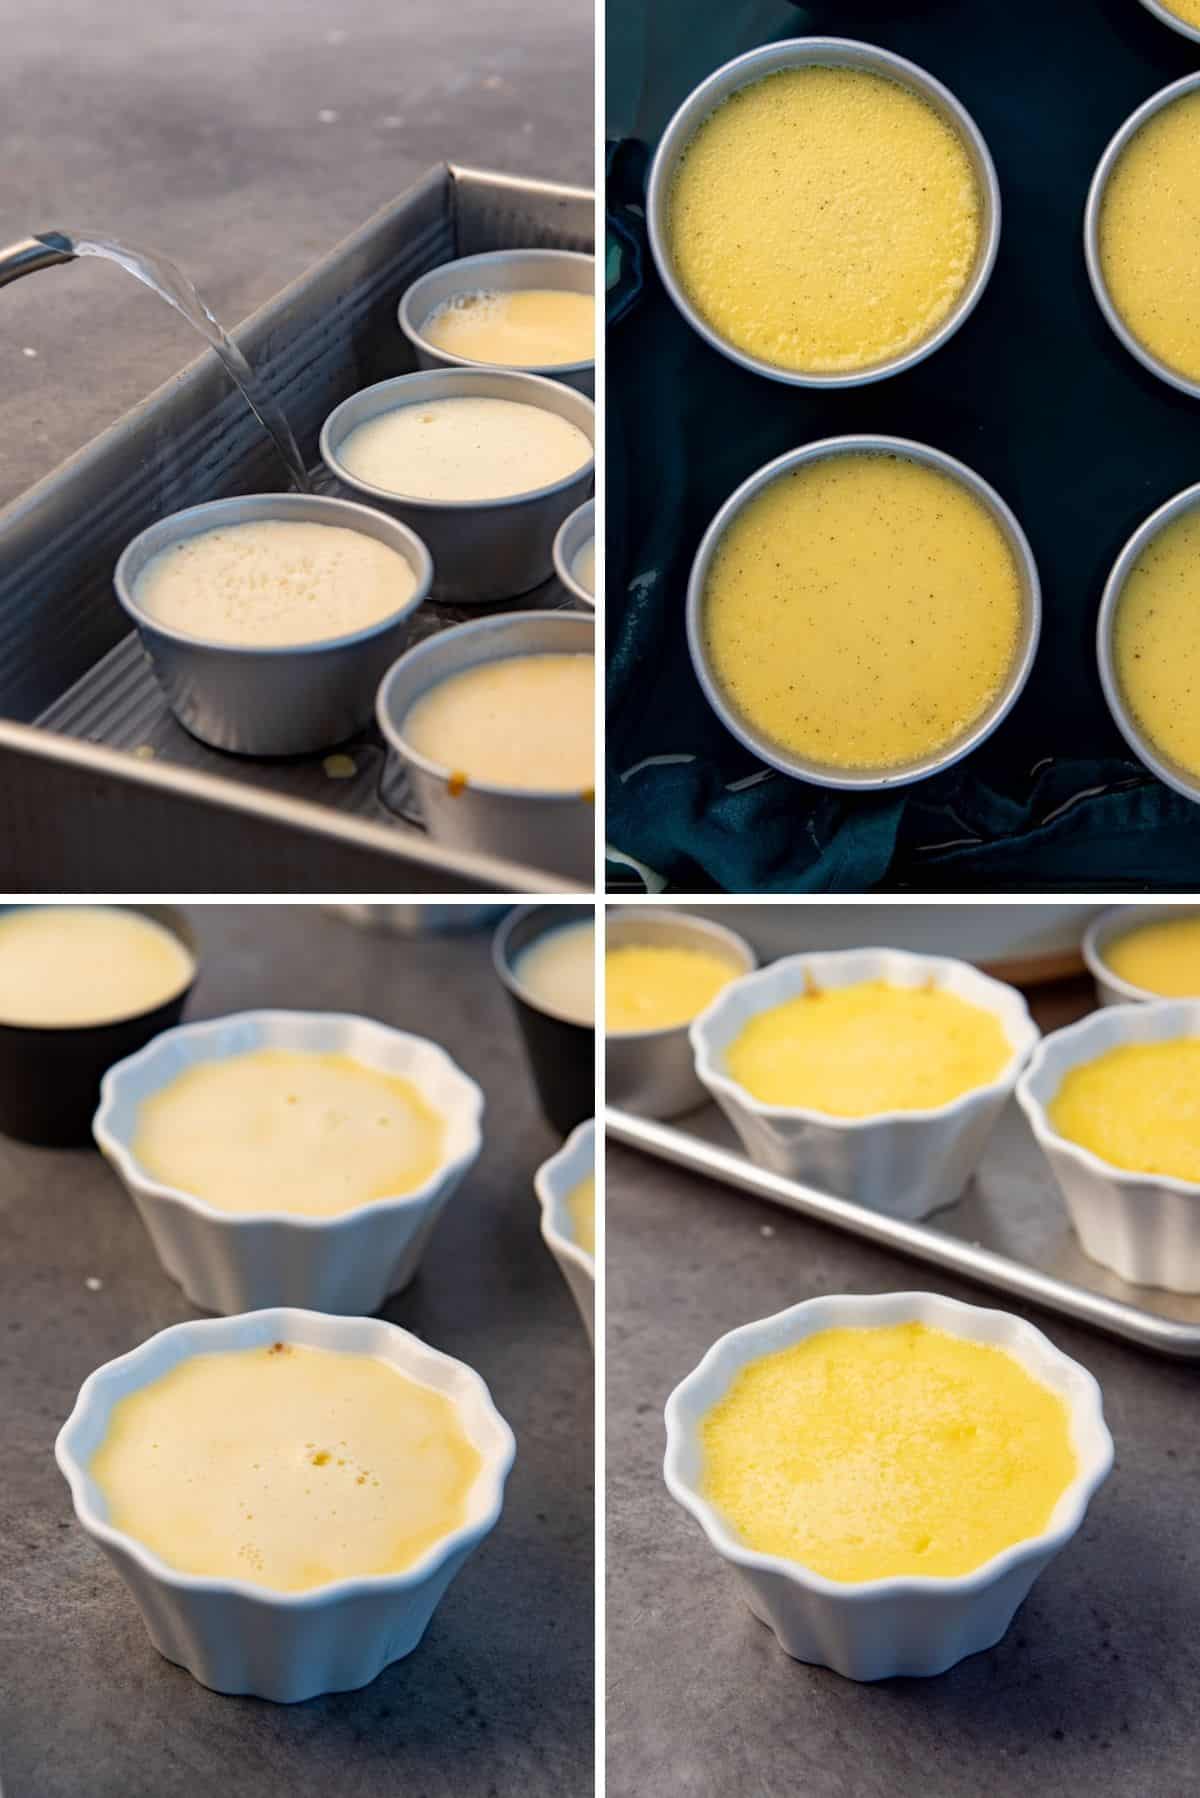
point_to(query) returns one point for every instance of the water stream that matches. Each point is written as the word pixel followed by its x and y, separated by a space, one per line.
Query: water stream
pixel 171 284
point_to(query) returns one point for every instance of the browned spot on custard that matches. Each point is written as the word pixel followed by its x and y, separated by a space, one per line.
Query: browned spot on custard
pixel 456 784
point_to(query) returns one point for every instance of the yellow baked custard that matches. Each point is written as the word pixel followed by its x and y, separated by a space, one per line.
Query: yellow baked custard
pixel 64 965
pixel 824 220
pixel 521 721
pixel 1187 10
pixel 1136 1106
pixel 883 1452
pixel 862 611
pixel 658 986
pixel 1149 245
pixel 287 1466
pixel 558 971
pixel 1161 957
pixel 1156 641
pixel 532 327
pixel 854 1051
pixel 289 1130
pixel 581 1209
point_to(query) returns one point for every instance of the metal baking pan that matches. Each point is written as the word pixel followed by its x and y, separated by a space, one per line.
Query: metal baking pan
pixel 1009 1230
pixel 100 789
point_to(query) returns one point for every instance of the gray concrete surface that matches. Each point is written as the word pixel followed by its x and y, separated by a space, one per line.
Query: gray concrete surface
pixel 1093 1690
pixel 498 1698
pixel 244 138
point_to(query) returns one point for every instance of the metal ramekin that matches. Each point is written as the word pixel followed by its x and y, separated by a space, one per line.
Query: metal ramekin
pixel 282 700
pixel 561 1050
pixel 1111 989
pixel 1091 226
pixel 1167 771
pixel 482 549
pixel 911 1625
pixel 1166 17
pixel 500 271
pixel 542 829
pixel 653 1072
pixel 50 1074
pixel 865 780
pixel 824 52
pixel 238 1637
pixel 573 533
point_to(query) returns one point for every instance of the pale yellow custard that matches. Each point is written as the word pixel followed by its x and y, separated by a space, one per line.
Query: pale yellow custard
pixel 824 219
pixel 876 1453
pixel 286 1466
pixel 465 448
pixel 1149 244
pixel 289 1130
pixel 1156 641
pixel 520 721
pixel 558 971
pixel 64 965
pixel 862 611
pixel 581 1209
pixel 1137 1107
pixel 855 1051
pixel 657 986
pixel 1187 10
pixel 1161 957
pixel 275 582
pixel 532 327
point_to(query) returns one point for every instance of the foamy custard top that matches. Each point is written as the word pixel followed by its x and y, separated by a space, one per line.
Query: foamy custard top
pixel 658 986
pixel 824 219
pixel 862 611
pixel 1136 1107
pixel 274 582
pixel 531 327
pixel 1156 640
pixel 1148 241
pixel 882 1452
pixel 464 448
pixel 1160 957
pixel 558 971
pixel 520 721
pixel 289 1130
pixel 63 965
pixel 855 1051
pixel 286 1466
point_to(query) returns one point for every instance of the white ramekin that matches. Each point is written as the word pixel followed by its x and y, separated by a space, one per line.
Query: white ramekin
pixel 878 1629
pixel 1111 989
pixel 1145 1227
pixel 230 1261
pixel 238 1637
pixel 554 1181
pixel 903 1163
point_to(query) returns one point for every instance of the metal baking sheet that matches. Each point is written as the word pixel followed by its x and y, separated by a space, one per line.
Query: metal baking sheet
pixel 100 788
pixel 1009 1230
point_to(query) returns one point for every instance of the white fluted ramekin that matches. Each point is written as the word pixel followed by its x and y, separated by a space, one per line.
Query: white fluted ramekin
pixel 554 1181
pixel 903 1163
pixel 229 1261
pixel 878 1629
pixel 1112 988
pixel 1145 1227
pixel 238 1637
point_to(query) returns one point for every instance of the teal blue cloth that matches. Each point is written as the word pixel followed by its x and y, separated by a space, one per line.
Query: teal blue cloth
pixel 1034 392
